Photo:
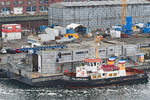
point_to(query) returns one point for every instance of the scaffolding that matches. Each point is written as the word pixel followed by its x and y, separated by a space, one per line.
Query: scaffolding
pixel 98 14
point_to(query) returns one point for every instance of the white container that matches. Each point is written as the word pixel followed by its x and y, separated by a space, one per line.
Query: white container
pixel 51 31
pixel 32 39
pixel 62 30
pixel 50 34
pixel 115 34
pixel 11 36
pixel 46 37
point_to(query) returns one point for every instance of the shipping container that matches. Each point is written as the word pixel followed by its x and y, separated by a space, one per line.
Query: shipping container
pixel 11 36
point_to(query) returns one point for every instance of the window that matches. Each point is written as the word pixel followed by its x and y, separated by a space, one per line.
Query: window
pixel 33 8
pixel 40 1
pixel 81 52
pixel 8 3
pixel 110 74
pixel 66 54
pixel 43 8
pixel 99 76
pixel 94 76
pixel 3 27
pixel 15 2
pixel 111 50
pixel 101 50
pixel 114 74
pixel 51 1
pixel 94 63
pixel 33 1
pixel 28 9
pixel 28 2
pixel 5 9
pixel 43 1
pixel 9 28
pixel 2 3
pixel 17 27
pixel 46 1
pixel 20 2
pixel 104 74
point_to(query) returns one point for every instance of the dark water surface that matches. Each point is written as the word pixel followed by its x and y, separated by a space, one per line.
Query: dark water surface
pixel 10 90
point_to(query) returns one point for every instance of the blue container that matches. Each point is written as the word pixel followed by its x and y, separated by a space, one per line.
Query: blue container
pixel 146 30
pixel 43 27
pixel 53 25
pixel 129 19
pixel 88 30
pixel 129 23
pixel 68 31
pixel 128 26
pixel 118 29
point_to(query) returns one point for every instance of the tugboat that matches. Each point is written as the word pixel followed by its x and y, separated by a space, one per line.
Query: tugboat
pixel 95 73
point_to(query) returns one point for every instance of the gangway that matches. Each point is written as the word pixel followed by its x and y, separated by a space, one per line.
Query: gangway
pixel 42 48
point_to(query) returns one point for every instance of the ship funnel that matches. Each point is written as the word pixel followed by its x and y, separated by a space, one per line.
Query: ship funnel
pixel 121 64
pixel 111 60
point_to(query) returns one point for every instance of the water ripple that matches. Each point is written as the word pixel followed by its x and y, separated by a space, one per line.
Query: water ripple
pixel 11 91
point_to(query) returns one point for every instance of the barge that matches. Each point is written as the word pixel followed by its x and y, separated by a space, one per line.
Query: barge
pixel 69 80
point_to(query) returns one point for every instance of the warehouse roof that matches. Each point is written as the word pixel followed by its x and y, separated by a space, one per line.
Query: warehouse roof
pixel 73 26
pixel 96 3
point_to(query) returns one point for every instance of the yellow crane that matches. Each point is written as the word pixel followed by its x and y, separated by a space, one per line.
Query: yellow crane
pixel 98 38
pixel 124 6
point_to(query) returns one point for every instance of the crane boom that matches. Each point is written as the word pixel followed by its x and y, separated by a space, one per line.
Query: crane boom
pixel 98 38
pixel 124 6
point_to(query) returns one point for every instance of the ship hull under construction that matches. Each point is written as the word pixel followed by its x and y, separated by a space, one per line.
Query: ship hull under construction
pixel 126 80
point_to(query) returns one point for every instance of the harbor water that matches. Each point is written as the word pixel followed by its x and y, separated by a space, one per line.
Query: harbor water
pixel 11 90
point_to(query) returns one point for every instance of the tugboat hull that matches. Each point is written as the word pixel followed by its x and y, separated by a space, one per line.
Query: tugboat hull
pixel 125 80
pixel 67 81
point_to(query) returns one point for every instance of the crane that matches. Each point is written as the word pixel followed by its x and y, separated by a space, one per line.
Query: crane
pixel 42 48
pixel 124 6
pixel 98 38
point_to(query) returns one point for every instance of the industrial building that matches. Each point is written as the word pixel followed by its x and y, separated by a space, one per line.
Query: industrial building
pixel 8 7
pixel 98 14
pixel 50 61
pixel 23 6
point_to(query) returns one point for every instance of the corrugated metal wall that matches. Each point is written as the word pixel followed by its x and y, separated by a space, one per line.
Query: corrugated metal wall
pixel 48 62
pixel 98 16
pixel 51 60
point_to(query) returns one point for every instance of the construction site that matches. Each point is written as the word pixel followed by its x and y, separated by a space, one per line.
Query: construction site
pixel 49 64
pixel 71 37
